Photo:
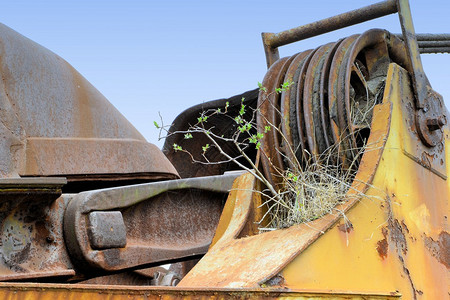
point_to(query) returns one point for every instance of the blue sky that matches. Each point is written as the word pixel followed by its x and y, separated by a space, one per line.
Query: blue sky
pixel 165 56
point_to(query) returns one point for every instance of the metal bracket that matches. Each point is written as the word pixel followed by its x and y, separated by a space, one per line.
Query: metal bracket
pixel 31 239
pixel 430 116
pixel 145 224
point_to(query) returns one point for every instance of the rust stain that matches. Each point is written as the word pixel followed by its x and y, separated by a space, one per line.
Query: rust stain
pixel 398 239
pixel 397 235
pixel 346 227
pixel 382 245
pixel 85 123
pixel 426 160
pixel 440 249
pixel 405 227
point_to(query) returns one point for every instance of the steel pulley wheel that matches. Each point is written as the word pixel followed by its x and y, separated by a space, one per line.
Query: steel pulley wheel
pixel 335 95
pixel 266 99
pixel 288 111
pixel 324 101
pixel 360 86
pixel 355 93
pixel 311 103
pixel 275 134
pixel 332 86
pixel 302 152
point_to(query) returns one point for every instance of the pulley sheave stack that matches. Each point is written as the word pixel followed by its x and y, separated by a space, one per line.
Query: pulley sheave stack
pixel 326 113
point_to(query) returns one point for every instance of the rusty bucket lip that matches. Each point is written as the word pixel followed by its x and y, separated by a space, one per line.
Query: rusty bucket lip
pixel 126 290
pixel 136 290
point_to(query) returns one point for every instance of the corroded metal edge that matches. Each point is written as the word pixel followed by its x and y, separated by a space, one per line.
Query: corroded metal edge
pixel 78 291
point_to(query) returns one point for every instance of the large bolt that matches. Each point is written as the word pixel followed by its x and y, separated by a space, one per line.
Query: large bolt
pixel 170 279
pixel 436 123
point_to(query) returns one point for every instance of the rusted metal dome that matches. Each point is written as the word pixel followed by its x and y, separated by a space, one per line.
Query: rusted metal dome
pixel 53 122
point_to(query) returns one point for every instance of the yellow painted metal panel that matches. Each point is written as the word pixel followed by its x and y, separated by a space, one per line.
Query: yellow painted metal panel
pixel 399 234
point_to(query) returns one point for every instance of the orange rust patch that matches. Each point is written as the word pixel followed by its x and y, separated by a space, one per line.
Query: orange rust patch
pixel 382 248
pixel 382 245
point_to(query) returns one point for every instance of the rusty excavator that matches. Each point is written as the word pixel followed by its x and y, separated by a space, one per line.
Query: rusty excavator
pixel 90 210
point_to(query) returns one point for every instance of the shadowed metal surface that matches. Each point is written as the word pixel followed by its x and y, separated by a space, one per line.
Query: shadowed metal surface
pixel 220 125
pixel 31 228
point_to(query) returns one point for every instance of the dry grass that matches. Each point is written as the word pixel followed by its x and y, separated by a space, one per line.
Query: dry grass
pixel 310 192
pixel 361 106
